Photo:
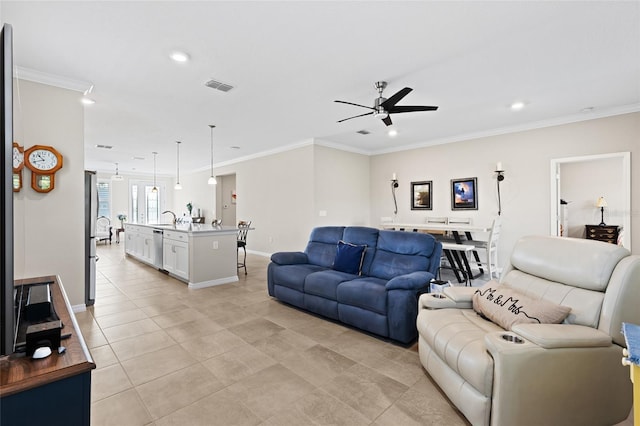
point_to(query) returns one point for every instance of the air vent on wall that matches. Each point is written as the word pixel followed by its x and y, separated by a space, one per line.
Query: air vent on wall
pixel 363 132
pixel 104 146
pixel 223 87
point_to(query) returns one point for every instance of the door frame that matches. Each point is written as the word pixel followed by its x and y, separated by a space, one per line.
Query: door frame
pixel 554 180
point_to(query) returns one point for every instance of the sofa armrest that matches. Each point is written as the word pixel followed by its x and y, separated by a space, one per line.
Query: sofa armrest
pixel 413 281
pixel 451 297
pixel 550 336
pixel 289 258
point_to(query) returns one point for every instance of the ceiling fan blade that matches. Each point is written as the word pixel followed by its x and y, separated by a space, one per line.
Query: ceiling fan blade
pixel 410 108
pixel 396 98
pixel 355 116
pixel 387 121
pixel 351 103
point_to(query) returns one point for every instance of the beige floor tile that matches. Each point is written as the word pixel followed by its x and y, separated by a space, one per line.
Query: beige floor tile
pixel 317 365
pixel 270 390
pixel 132 329
pixel 284 344
pixel 94 338
pixel 318 408
pixel 119 410
pixel 238 363
pixel 178 390
pixel 103 356
pixel 210 345
pixel 365 390
pixel 217 409
pixel 141 345
pixel 423 404
pixel 108 381
pixel 119 318
pixel 100 309
pixel 257 329
pixel 193 329
pixel 174 318
pixel 156 364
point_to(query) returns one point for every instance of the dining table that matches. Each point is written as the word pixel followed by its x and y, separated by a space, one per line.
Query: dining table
pixel 458 231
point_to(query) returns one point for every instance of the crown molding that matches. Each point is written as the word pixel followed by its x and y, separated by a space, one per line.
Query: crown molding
pixel 52 79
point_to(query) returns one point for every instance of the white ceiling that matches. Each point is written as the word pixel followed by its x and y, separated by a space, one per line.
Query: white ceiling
pixel 289 61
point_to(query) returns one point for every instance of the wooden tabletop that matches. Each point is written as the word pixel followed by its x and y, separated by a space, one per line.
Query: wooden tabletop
pixel 459 227
pixel 19 373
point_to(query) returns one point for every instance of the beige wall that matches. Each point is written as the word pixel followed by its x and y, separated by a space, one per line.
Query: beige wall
pixel 526 159
pixel 49 228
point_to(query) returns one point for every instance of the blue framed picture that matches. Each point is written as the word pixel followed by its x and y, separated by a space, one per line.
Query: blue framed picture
pixel 464 194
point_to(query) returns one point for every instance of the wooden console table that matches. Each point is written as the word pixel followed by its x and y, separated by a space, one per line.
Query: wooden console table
pixel 51 391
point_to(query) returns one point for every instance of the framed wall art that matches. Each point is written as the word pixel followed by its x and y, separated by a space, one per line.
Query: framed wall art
pixel 464 194
pixel 421 195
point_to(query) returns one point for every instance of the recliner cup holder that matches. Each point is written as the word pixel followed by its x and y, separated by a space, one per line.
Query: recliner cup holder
pixel 438 296
pixel 511 338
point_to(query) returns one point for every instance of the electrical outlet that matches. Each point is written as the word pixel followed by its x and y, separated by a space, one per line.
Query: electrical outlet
pixel 215 245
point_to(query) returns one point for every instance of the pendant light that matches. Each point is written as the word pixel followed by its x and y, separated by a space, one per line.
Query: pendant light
pixel 155 188
pixel 178 186
pixel 117 176
pixel 212 180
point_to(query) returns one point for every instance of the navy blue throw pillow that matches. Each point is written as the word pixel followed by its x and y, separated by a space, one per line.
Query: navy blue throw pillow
pixel 349 258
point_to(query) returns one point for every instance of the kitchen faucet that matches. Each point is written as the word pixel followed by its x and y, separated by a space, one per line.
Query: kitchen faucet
pixel 172 214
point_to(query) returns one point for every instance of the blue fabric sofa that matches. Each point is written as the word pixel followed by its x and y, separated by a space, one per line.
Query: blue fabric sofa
pixel 381 299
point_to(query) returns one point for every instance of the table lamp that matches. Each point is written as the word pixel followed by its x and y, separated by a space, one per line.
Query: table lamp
pixel 602 204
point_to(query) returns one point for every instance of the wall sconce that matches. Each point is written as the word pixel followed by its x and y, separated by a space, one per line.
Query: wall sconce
pixel 499 178
pixel 394 185
pixel 601 203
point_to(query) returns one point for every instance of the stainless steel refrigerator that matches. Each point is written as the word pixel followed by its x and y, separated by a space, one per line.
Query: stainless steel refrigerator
pixel 90 216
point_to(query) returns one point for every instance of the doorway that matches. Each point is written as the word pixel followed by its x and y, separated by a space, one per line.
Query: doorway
pixel 226 199
pixel 576 184
pixel 146 205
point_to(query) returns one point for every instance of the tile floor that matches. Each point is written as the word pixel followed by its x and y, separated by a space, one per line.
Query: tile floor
pixel 231 355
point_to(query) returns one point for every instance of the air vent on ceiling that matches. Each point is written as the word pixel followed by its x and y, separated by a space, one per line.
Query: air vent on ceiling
pixel 137 158
pixel 104 146
pixel 363 132
pixel 223 87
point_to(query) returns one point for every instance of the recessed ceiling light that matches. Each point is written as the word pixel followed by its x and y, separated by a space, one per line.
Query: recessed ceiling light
pixel 179 56
pixel 517 106
pixel 393 133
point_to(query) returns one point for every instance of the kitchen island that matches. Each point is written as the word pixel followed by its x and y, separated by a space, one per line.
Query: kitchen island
pixel 201 255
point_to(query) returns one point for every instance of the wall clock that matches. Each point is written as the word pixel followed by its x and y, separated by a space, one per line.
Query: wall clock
pixel 44 162
pixel 18 165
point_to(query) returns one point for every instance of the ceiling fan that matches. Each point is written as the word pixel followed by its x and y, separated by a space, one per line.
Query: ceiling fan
pixel 383 107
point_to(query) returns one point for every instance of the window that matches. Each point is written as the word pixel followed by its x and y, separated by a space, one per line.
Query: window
pixel 104 198
pixel 146 205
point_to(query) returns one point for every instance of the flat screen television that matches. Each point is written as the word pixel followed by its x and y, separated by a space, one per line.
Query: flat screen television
pixel 7 305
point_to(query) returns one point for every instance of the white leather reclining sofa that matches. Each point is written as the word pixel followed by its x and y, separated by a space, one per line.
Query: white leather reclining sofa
pixel 539 374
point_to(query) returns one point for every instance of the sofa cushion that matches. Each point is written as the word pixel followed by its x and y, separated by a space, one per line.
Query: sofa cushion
pixel 507 307
pixel 349 258
pixel 293 276
pixel 325 283
pixel 364 236
pixel 367 292
pixel 321 249
pixel 400 253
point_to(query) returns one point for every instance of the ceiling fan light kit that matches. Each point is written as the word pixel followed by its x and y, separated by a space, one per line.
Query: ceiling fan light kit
pixel 382 107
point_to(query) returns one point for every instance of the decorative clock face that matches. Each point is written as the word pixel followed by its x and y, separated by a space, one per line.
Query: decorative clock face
pixel 18 158
pixel 43 159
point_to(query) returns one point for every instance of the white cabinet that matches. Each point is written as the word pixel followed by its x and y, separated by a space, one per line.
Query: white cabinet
pixel 175 254
pixel 139 243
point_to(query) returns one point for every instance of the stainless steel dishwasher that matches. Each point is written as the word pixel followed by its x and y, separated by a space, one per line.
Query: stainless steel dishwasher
pixel 157 247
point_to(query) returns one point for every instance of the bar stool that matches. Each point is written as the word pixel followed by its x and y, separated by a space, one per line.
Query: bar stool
pixel 243 229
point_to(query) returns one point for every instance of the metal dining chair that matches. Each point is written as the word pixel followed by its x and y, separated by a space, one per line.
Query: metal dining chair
pixel 243 229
